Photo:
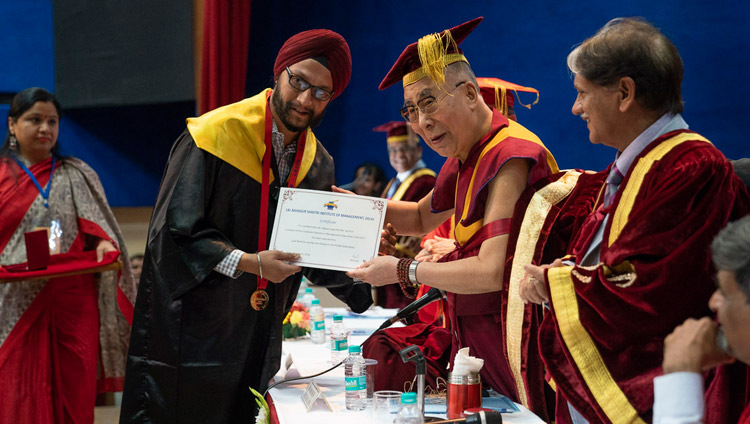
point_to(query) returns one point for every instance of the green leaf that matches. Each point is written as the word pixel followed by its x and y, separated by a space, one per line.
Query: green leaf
pixel 262 418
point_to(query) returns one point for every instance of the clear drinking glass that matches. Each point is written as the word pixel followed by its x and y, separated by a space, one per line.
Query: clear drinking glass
pixel 386 404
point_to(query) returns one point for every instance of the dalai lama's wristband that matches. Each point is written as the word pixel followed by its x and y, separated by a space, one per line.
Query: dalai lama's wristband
pixel 413 272
pixel 408 288
pixel 260 267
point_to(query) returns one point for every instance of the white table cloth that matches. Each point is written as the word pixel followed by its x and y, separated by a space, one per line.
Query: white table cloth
pixel 309 358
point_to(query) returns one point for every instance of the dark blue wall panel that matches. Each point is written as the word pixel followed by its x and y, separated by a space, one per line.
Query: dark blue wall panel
pixel 27 45
pixel 524 42
pixel 128 146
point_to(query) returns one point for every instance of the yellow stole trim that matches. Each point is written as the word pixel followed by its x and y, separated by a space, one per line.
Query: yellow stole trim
pixel 600 382
pixel 641 168
pixel 528 237
pixel 235 134
pixel 463 233
pixel 420 73
pixel 397 138
pixel 410 179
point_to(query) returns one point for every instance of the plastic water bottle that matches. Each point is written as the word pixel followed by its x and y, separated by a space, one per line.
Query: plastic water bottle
pixel 303 285
pixel 409 413
pixel 339 340
pixel 317 322
pixel 355 378
pixel 308 298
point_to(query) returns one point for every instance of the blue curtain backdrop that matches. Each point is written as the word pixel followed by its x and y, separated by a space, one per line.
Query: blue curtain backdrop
pixel 523 42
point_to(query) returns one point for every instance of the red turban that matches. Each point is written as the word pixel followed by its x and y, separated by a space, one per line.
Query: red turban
pixel 315 43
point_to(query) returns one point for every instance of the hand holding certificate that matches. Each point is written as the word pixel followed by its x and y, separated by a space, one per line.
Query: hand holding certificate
pixel 329 230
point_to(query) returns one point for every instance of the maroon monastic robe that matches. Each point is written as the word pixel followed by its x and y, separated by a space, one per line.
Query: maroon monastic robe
pixel 476 320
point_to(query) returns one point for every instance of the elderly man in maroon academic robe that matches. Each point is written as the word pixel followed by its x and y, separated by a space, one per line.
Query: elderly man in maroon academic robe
pixel 639 264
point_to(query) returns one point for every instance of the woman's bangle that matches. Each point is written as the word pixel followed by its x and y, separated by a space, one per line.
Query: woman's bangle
pixel 260 266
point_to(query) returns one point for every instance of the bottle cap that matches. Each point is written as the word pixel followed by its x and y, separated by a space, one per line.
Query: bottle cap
pixel 354 349
pixel 338 318
pixel 316 301
pixel 407 398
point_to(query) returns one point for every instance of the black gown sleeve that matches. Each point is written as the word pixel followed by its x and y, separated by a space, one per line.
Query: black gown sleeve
pixel 191 248
pixel 357 296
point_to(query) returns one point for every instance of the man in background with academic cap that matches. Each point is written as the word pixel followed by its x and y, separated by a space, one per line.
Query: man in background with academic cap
pixel 639 264
pixel 490 161
pixel 412 182
pixel 212 299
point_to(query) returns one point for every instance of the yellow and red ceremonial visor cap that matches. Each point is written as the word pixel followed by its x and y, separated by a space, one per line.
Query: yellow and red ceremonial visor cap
pixel 429 56
pixel 395 131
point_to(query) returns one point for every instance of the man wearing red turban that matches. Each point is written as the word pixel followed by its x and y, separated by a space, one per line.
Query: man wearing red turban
pixel 207 323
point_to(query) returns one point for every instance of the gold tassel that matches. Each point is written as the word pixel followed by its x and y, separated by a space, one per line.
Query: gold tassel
pixel 432 51
pixel 501 100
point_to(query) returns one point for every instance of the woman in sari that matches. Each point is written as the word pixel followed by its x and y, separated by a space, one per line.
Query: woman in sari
pixel 62 338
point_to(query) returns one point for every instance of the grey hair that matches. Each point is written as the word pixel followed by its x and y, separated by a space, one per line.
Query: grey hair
pixel 464 70
pixel 632 47
pixel 731 252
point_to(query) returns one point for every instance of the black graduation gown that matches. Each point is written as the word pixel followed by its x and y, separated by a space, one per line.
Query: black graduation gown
pixel 196 344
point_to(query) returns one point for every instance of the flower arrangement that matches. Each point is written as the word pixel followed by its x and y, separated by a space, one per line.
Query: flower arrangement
pixel 264 411
pixel 297 321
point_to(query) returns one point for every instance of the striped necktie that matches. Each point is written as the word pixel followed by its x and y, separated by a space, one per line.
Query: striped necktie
pixel 613 183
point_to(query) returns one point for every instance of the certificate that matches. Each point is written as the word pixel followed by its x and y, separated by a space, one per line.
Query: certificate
pixel 329 230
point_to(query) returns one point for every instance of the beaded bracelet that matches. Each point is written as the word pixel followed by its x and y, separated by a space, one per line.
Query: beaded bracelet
pixel 408 288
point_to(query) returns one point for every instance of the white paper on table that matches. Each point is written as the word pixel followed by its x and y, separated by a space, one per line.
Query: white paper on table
pixel 329 230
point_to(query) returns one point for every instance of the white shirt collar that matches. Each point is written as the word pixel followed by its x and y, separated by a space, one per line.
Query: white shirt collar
pixel 404 175
pixel 668 122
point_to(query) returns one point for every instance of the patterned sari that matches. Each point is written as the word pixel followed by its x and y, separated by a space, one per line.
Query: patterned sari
pixel 62 339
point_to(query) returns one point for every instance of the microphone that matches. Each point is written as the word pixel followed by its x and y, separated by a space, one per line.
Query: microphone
pixel 481 417
pixel 432 295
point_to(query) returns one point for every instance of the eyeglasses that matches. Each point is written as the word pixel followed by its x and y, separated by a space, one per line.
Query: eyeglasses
pixel 427 105
pixel 404 147
pixel 300 84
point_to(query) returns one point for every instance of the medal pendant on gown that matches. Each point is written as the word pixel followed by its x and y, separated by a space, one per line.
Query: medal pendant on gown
pixel 259 300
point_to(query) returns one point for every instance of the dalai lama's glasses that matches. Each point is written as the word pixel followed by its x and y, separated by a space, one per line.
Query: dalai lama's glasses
pixel 300 84
pixel 427 106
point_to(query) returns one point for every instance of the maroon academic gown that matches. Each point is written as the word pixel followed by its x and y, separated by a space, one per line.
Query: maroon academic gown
pixel 476 320
pixel 547 215
pixel 603 338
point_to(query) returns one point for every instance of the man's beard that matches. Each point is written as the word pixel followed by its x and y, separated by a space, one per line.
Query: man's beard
pixel 283 109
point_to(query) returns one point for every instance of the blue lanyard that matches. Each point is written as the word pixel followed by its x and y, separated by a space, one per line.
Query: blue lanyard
pixel 44 193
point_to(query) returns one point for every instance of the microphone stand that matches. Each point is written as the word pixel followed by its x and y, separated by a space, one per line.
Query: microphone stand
pixel 414 354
